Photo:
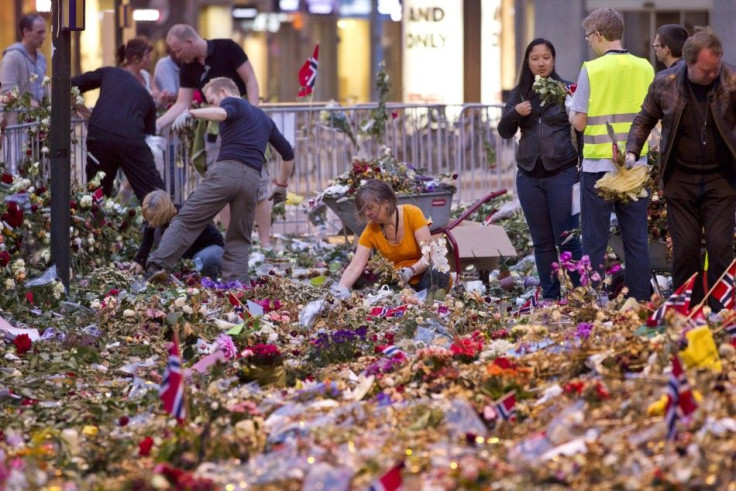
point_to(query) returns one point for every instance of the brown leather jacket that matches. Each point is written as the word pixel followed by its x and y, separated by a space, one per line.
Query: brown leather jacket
pixel 666 101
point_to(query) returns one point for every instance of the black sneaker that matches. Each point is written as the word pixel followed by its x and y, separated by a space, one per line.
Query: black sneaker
pixel 155 273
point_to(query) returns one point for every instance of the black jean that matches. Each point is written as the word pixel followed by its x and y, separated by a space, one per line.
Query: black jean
pixel 132 155
pixel 700 205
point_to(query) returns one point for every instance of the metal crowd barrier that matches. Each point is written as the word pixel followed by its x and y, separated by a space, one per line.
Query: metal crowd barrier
pixel 454 139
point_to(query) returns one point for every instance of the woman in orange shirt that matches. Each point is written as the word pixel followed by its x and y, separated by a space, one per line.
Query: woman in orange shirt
pixel 396 232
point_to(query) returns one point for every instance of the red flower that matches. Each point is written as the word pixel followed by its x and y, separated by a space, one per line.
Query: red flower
pixel 22 343
pixel 6 179
pixel 123 421
pixel 144 447
pixel 4 258
pixel 504 363
pixel 14 215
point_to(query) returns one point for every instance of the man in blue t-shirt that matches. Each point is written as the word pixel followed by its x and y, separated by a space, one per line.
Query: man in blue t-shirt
pixel 233 179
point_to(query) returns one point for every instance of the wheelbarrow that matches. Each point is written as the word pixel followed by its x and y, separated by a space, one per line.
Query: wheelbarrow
pixel 434 205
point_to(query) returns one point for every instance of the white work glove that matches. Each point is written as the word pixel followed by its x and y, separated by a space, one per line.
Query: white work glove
pixel 406 274
pixel 630 160
pixel 279 194
pixel 181 121
pixel 311 311
pixel 568 103
pixel 339 291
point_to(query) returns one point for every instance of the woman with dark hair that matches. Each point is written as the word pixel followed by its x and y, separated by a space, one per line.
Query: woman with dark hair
pixel 135 57
pixel 397 232
pixel 547 165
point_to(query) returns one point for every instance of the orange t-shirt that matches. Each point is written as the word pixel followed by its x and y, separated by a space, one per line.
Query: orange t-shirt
pixel 407 252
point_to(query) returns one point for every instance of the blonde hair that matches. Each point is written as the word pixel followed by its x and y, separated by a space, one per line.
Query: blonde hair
pixel 607 22
pixel 221 83
pixel 157 208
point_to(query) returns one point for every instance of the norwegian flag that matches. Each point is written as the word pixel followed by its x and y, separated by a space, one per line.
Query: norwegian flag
pixel 723 291
pixel 172 388
pixel 388 312
pixel 390 351
pixel 390 481
pixel 530 304
pixel 678 301
pixel 506 406
pixel 239 308
pixel 697 319
pixel 98 196
pixel 308 74
pixel 681 400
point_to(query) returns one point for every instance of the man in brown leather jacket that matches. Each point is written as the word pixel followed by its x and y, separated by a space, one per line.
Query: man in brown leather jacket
pixel 696 102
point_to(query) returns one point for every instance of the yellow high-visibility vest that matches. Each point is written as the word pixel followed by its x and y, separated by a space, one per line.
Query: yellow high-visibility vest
pixel 618 85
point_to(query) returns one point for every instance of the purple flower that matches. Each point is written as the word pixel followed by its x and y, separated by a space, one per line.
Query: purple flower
pixel 565 256
pixel 583 330
pixel 614 269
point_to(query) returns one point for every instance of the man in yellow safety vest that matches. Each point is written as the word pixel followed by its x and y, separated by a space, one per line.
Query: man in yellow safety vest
pixel 611 89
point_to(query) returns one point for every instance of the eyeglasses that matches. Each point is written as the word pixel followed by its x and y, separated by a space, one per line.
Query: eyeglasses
pixel 655 46
pixel 589 34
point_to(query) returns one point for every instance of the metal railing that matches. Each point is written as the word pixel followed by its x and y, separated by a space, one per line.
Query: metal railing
pixel 454 139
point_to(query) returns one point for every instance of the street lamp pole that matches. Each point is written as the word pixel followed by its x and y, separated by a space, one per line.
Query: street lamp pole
pixel 60 141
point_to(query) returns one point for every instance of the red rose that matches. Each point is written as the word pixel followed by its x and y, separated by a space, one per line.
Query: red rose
pixel 4 258
pixel 6 179
pixel 22 343
pixel 123 421
pixel 13 216
pixel 40 191
pixel 144 447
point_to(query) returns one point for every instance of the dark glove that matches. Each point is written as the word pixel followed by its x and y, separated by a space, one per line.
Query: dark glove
pixel 279 194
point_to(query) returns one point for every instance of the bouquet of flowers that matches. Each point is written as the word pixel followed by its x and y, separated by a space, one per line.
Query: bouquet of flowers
pixel 622 184
pixel 550 90
pixel 263 363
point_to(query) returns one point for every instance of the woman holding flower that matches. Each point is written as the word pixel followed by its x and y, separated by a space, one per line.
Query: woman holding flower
pixel 546 159
pixel 397 232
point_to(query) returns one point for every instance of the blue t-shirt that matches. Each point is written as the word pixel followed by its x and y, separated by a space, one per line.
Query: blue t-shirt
pixel 245 133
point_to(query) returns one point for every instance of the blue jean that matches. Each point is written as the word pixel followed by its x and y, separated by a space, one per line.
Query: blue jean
pixel 209 260
pixel 432 277
pixel 547 206
pixel 632 220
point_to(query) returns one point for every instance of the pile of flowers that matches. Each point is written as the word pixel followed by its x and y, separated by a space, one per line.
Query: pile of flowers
pixel 403 178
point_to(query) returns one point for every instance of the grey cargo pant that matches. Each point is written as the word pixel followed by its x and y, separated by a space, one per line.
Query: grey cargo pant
pixel 226 182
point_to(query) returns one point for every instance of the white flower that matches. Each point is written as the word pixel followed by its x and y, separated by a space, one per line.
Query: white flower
pixel 9 284
pixel 187 309
pixel 129 313
pixel 34 77
pixel 46 80
pixel 45 150
pixel 20 185
pixel 86 201
pixel 180 301
pixel 59 289
pixel 91 240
